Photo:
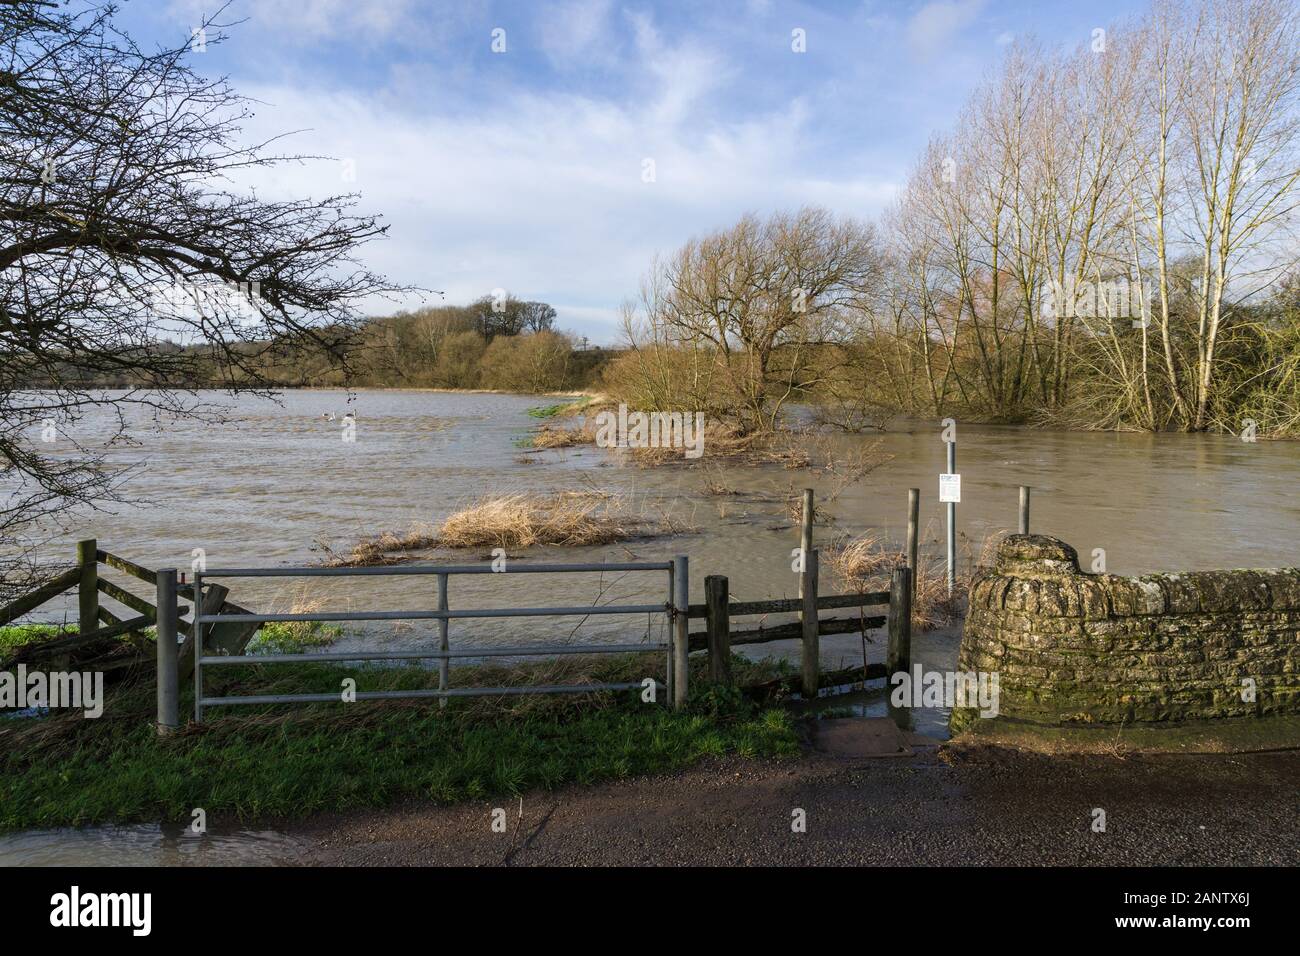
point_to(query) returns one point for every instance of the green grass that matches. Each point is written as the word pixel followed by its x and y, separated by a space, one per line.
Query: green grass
pixel 560 408
pixel 547 411
pixel 292 637
pixel 16 635
pixel 290 761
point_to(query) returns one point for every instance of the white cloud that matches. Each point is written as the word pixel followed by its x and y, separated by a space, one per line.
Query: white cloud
pixel 299 21
pixel 933 28
pixel 577 33
pixel 543 195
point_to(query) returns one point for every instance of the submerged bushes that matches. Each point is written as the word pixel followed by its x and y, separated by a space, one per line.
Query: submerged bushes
pixel 570 519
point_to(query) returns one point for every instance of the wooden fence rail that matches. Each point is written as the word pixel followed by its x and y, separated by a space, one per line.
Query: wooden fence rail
pixel 718 637
pixel 46 592
pixel 717 611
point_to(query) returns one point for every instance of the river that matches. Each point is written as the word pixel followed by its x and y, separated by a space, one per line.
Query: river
pixel 279 480
pixel 268 488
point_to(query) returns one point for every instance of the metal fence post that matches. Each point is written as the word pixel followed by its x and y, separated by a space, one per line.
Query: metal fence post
pixel 88 587
pixel 1024 509
pixel 200 637
pixel 670 663
pixel 168 692
pixel 681 630
pixel 952 522
pixel 808 615
pixel 716 599
pixel 443 643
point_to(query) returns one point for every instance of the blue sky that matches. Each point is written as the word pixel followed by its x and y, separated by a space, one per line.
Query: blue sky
pixel 525 169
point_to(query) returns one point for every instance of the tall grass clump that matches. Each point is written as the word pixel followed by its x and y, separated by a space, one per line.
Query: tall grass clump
pixel 570 519
pixel 865 564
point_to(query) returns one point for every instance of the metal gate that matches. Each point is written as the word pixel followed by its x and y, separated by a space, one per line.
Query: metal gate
pixel 675 607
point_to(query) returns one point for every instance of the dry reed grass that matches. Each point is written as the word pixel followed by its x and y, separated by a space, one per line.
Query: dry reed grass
pixel 548 437
pixel 865 563
pixel 386 547
pixel 570 519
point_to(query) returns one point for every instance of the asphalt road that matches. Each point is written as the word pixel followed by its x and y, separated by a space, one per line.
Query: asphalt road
pixel 974 807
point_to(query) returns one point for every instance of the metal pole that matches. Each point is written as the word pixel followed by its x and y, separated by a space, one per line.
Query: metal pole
pixel 200 638
pixel 1024 509
pixel 805 533
pixel 168 719
pixel 913 529
pixel 671 663
pixel 443 645
pixel 681 629
pixel 952 523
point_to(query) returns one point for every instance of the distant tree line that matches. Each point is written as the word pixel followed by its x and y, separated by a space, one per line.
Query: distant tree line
pixel 496 342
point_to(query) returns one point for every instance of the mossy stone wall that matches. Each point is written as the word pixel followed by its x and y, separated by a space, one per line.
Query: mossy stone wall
pixel 1073 648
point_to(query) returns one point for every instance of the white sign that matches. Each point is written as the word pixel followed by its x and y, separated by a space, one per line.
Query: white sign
pixel 949 488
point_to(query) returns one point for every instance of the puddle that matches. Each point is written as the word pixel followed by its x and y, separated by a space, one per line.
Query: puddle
pixel 147 845
pixel 873 701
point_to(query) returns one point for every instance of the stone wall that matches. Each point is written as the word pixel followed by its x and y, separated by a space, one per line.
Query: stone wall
pixel 1073 648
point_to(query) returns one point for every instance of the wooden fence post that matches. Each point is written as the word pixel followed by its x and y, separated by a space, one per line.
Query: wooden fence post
pixel 913 533
pixel 681 629
pixel 806 527
pixel 899 656
pixel 168 689
pixel 718 619
pixel 808 616
pixel 1024 509
pixel 88 587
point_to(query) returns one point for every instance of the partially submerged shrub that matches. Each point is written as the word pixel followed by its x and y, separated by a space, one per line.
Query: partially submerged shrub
pixel 520 521
pixel 383 548
pixel 548 437
pixel 569 519
pixel 865 564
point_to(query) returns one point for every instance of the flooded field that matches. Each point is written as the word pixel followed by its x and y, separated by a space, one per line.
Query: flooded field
pixel 279 485
pixel 279 482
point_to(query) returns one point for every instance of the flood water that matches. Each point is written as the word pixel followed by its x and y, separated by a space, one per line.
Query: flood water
pixel 147 845
pixel 279 482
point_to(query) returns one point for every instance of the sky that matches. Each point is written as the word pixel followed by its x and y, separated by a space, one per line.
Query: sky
pixel 552 149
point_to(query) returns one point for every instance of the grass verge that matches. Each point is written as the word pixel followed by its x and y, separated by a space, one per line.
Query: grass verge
pixel 16 635
pixel 264 763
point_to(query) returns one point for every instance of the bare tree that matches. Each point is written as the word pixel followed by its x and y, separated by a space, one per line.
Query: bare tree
pixel 1040 253
pixel 763 298
pixel 132 251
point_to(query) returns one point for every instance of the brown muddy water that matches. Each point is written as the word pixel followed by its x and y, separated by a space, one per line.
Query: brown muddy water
pixel 278 482
pixel 147 844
